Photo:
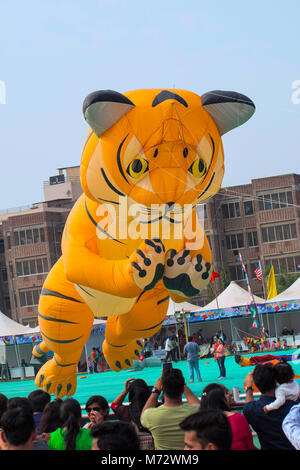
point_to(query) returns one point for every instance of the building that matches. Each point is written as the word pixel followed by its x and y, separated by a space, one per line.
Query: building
pixel 261 221
pixel 30 244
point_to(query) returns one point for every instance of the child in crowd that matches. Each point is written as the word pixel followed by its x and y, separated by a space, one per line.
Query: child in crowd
pixel 287 389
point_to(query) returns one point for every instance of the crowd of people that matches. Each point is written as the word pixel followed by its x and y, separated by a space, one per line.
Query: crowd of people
pixel 166 416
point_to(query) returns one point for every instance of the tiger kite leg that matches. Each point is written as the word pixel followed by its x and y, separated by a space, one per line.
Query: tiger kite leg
pixel 65 323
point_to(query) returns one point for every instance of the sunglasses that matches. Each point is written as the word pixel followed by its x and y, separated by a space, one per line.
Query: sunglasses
pixel 96 408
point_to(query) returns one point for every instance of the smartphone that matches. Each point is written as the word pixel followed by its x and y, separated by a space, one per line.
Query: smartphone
pixel 167 366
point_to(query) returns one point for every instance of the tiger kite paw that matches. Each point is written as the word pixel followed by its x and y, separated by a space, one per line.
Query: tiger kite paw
pixel 122 357
pixel 147 264
pixel 53 378
pixel 184 275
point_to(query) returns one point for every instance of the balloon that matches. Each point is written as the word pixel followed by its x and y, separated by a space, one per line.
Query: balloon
pixel 133 239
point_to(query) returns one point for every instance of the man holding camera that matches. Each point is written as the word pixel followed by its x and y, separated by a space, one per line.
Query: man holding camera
pixel 163 421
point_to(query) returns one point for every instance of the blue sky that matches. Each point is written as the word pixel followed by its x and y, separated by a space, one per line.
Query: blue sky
pixel 53 53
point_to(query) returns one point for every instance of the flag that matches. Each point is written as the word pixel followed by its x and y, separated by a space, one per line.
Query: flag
pixel 255 323
pixel 271 284
pixel 214 276
pixel 298 267
pixel 258 272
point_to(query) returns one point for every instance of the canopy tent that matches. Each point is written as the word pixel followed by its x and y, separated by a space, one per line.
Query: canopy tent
pixel 186 306
pixel 233 296
pixel 9 327
pixel 291 293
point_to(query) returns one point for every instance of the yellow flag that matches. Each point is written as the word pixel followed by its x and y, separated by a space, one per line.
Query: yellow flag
pixel 271 284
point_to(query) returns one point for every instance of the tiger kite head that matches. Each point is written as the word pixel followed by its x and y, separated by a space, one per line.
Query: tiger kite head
pixel 158 146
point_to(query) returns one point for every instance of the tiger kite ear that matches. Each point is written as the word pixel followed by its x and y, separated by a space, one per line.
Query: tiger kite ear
pixel 228 109
pixel 102 109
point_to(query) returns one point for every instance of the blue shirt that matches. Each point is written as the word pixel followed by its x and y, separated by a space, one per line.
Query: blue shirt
pixel 268 426
pixel 192 350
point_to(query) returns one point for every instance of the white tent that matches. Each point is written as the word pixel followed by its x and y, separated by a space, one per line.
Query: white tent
pixel 232 296
pixel 186 306
pixel 9 327
pixel 291 293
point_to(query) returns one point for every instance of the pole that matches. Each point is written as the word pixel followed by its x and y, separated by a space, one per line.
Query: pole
pixel 184 322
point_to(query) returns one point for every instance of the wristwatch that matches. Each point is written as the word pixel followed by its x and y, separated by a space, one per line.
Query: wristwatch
pixel 249 388
pixel 155 390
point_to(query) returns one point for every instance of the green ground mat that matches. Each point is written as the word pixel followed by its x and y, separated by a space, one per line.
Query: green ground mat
pixel 110 384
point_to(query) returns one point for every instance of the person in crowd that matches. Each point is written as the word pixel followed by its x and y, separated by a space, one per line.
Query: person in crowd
pixel 90 365
pixel 287 389
pixel 51 419
pixel 70 436
pixel 24 363
pixel 114 436
pixel 26 405
pixel 17 429
pixel 218 397
pixel 168 348
pixel 100 359
pixel 207 430
pixel 267 426
pixel 191 351
pixel 163 421
pixel 94 359
pixel 3 403
pixel 39 399
pixel 219 356
pixel 291 426
pixel 97 409
pixel 147 349
pixel 138 394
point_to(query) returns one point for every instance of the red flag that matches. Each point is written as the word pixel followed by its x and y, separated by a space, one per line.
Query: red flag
pixel 214 276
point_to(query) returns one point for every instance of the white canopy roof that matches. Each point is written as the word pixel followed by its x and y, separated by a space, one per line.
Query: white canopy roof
pixel 9 327
pixel 232 296
pixel 186 306
pixel 291 293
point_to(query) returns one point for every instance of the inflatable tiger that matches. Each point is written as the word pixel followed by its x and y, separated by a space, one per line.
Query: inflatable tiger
pixel 150 158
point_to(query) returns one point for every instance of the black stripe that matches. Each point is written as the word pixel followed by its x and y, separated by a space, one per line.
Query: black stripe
pixel 64 365
pixel 61 341
pixel 110 184
pixel 91 295
pixel 143 292
pixel 208 186
pixel 100 228
pixel 57 294
pixel 115 346
pixel 56 319
pixel 151 328
pixel 119 159
pixel 106 200
pixel 168 95
pixel 163 300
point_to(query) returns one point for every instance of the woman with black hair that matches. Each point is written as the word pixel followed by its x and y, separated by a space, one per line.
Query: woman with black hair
pixel 50 419
pixel 139 393
pixel 97 409
pixel 218 397
pixel 70 436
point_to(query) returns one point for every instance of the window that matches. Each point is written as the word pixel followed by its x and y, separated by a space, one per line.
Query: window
pixel 248 208
pixel 236 273
pixel 234 241
pixel 32 266
pixel 8 239
pixel 3 274
pixel 272 201
pixel 29 236
pixel 284 265
pixel 231 210
pixel 1 245
pixel 252 238
pixel 7 303
pixel 29 297
pixel 278 233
